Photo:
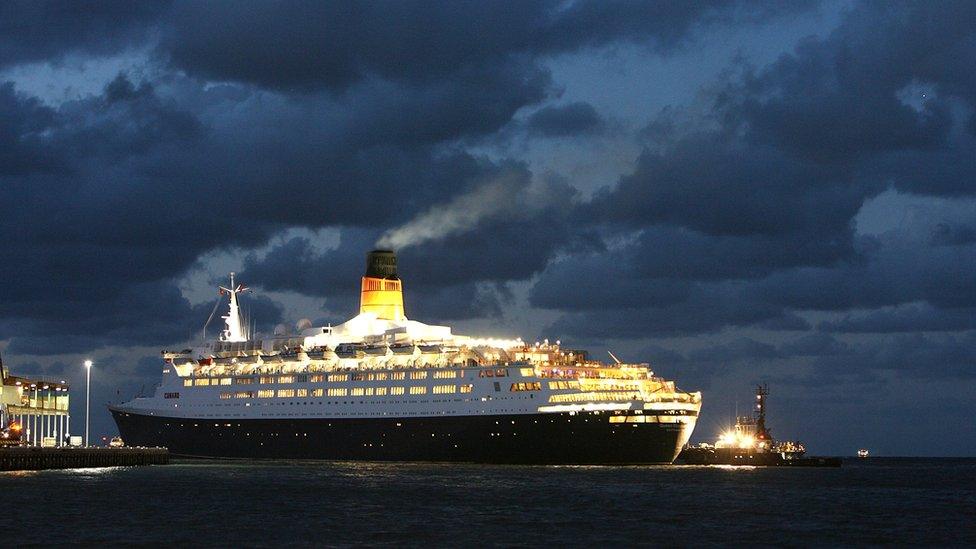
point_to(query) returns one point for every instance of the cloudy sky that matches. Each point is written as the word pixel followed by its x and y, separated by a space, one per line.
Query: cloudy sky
pixel 734 192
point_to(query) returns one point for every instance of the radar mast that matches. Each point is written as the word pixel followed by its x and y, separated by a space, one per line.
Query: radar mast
pixel 234 328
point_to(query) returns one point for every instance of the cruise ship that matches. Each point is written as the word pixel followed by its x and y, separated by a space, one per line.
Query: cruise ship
pixel 383 387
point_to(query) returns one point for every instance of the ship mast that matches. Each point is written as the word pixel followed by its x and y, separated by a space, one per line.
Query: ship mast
pixel 762 391
pixel 234 330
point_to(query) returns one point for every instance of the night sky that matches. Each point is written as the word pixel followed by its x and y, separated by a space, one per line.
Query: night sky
pixel 734 192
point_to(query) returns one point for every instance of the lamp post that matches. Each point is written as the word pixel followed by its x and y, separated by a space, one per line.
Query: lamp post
pixel 33 432
pixel 88 365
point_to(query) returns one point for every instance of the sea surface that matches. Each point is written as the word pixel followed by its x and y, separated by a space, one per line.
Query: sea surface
pixel 259 503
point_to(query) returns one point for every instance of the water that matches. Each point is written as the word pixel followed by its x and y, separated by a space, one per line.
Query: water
pixel 874 501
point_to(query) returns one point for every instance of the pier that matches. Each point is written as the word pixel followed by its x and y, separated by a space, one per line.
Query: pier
pixel 27 458
pixel 35 435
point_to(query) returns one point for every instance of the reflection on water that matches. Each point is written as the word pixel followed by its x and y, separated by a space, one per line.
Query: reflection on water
pixel 19 473
pixel 205 502
pixel 730 467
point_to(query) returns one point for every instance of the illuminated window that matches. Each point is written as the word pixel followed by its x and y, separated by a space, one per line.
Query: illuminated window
pixel 592 396
pixel 266 393
pixel 286 379
pixel 286 392
pixel 243 394
pixel 317 392
pixel 379 376
pixel 338 377
pixel 418 375
pixel 527 372
pixel 244 380
pixel 337 392
pixel 466 388
pixel 201 382
pixel 358 392
pixel 398 375
pixel 380 391
pixel 396 390
pixel 359 377
pixel 418 390
pixel 301 393
pixel 188 383
pixel 445 374
pixel 266 380
pixel 530 386
pixel 317 378
pixel 225 381
pixel 225 396
pixel 444 389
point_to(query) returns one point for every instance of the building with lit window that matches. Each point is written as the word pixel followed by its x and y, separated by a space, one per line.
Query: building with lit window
pixel 33 411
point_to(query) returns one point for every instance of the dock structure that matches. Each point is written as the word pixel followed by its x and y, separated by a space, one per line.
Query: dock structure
pixel 27 458
pixel 40 406
pixel 34 430
pixel 37 406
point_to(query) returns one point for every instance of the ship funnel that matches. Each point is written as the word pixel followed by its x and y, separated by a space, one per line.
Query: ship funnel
pixel 382 293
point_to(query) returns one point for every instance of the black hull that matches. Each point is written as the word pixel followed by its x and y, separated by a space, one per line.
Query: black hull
pixel 538 439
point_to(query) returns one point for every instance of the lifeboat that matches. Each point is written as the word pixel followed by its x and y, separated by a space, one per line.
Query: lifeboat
pixel 403 348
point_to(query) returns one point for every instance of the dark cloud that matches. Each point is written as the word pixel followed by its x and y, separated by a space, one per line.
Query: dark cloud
pixel 914 317
pixel 895 269
pixel 752 201
pixel 151 314
pixel 23 119
pixel 564 121
pixel 462 301
pixel 41 30
pixel 128 188
pixel 912 355
pixel 741 348
pixel 708 309
pixel 815 344
pixel 669 252
pixel 303 46
pixel 131 157
pixel 844 97
pixel 955 234
pixel 719 186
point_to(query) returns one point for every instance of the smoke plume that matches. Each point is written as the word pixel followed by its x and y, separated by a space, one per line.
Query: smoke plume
pixel 461 214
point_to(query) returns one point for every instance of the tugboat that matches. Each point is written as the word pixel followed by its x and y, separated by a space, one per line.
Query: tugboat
pixel 750 442
pixel 863 453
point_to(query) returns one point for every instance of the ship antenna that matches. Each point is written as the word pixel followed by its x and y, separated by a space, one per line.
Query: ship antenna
pixel 614 357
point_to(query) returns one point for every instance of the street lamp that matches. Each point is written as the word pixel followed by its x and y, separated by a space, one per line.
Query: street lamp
pixel 88 365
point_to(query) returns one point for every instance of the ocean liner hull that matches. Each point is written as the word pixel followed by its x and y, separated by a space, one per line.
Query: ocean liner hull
pixel 552 438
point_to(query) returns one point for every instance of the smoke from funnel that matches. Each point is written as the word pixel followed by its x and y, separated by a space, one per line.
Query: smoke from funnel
pixel 460 215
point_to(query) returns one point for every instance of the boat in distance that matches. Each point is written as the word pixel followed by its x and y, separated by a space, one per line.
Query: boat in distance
pixel 385 388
